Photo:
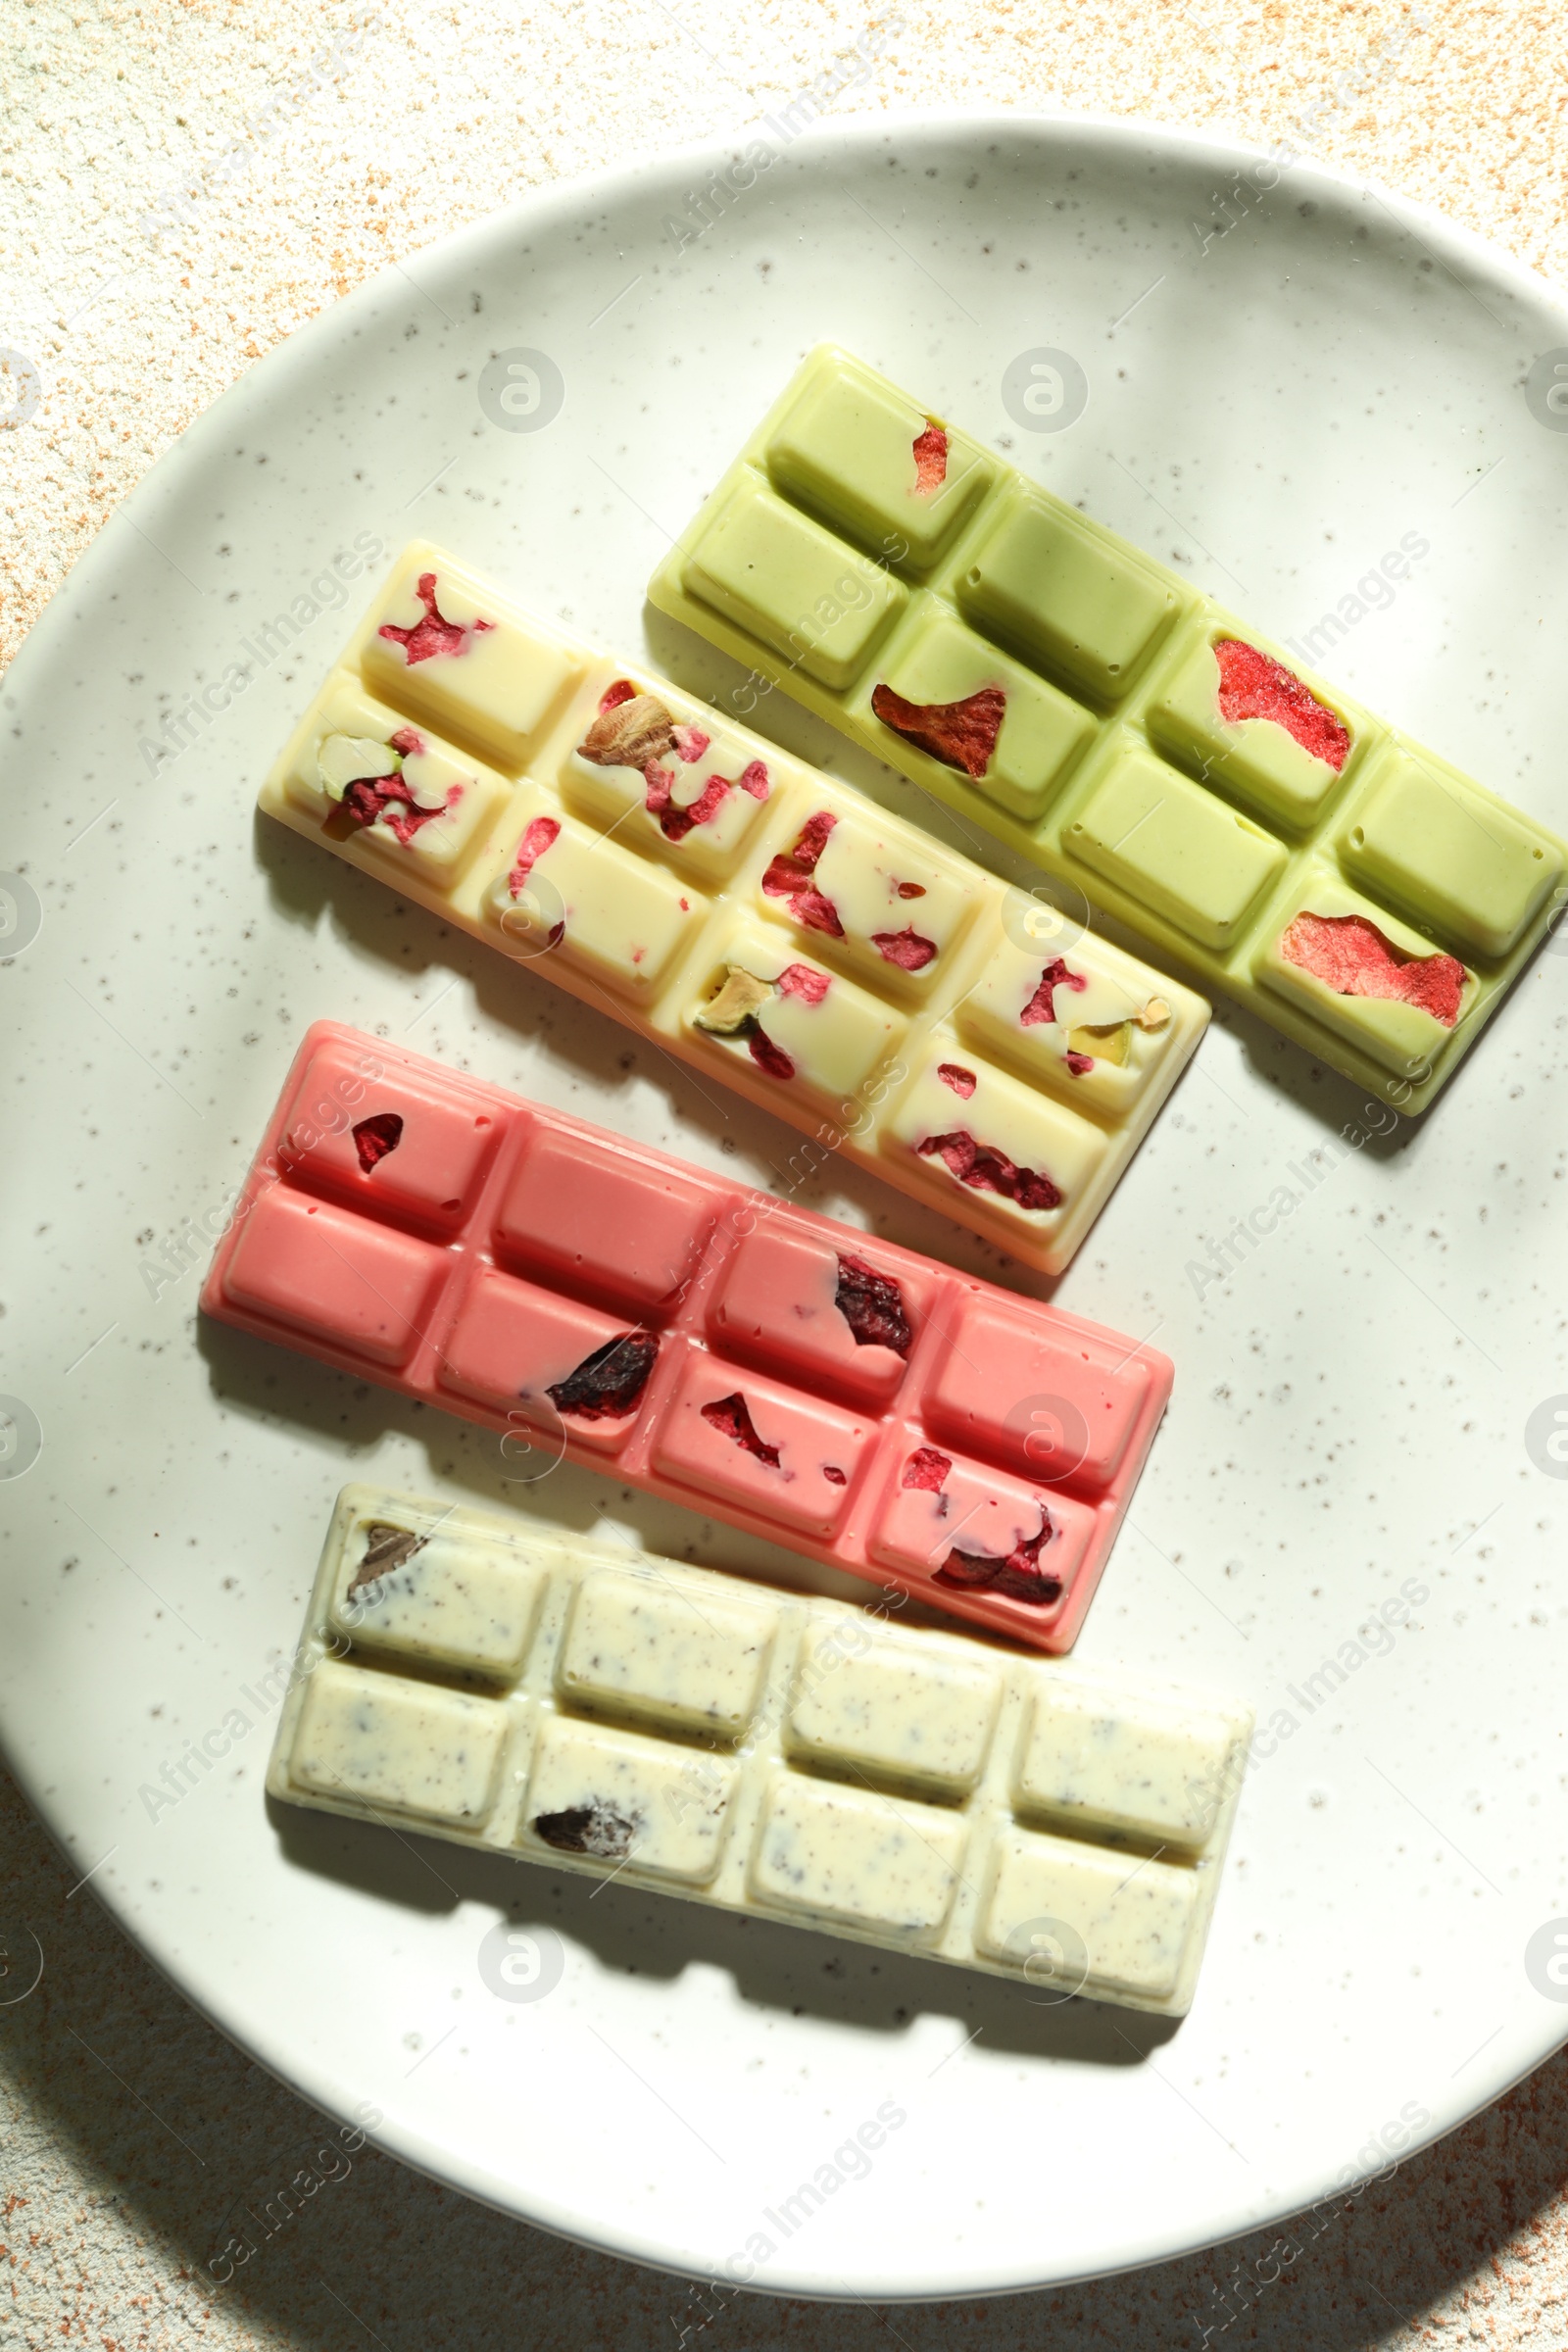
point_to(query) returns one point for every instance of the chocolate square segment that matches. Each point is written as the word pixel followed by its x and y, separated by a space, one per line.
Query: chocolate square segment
pixel 1069 597
pixel 602 1225
pixel 1402 1036
pixel 1176 849
pixel 441 644
pixel 847 451
pixel 797 587
pixel 1449 857
pixel 1255 760
pixel 1043 732
pixel 639 1644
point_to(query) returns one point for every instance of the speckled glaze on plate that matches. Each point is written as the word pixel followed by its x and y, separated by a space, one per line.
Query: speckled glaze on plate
pixel 1351 1516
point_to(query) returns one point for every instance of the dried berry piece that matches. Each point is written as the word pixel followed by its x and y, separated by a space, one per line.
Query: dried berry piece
pixel 769 1058
pixel 388 800
pixel 927 1470
pixel 675 822
pixel 731 1417
pixel 542 834
pixel 613 695
pixel 1350 956
pixel 608 1383
pixel 872 1305
pixel 753 779
pixel 689 744
pixel 1252 686
pixel 907 949
pixel 803 981
pixel 789 877
pixel 629 734
pixel 962 1082
pixel 1079 1065
pixel 1019 1576
pixel 930 460
pixel 962 735
pixel 911 890
pixel 385 1549
pixel 834 1475
pixel 431 635
pixel 375 1138
pixel 1042 1006
pixel 985 1169
pixel 733 1011
pixel 595 1829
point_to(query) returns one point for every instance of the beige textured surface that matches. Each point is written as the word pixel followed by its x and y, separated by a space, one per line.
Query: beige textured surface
pixel 178 191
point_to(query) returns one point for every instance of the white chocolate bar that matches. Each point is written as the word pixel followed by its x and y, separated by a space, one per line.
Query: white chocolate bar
pixel 897 1001
pixel 515 1689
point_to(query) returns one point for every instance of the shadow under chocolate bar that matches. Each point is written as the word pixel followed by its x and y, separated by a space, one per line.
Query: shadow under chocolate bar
pixel 773 928
pixel 595 1299
pixel 518 1691
pixel 1051 683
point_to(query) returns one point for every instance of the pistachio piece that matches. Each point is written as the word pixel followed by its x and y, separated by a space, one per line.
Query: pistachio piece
pixel 1153 1015
pixel 1107 1041
pixel 629 735
pixel 736 1004
pixel 345 760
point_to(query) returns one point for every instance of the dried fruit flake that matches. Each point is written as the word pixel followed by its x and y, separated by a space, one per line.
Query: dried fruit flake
pixel 962 735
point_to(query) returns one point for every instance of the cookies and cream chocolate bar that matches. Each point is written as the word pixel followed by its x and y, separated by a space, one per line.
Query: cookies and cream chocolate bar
pixel 776 929
pixel 1094 711
pixel 519 1691
pixel 592 1297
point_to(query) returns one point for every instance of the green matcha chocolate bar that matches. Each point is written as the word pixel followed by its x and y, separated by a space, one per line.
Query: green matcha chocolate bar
pixel 1103 718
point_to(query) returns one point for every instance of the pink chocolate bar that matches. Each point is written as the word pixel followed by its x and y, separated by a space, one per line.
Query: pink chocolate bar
pixel 836 1393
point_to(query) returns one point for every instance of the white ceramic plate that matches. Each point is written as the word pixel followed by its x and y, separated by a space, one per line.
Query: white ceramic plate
pixel 1283 406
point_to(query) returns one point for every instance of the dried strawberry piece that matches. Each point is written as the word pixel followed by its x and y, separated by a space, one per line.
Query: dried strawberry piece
pixel 1254 686
pixel 542 834
pixel 907 949
pixel 800 980
pixel 609 1382
pixel 927 1470
pixel 789 877
pixel 595 1829
pixel 731 1417
pixel 930 460
pixel 1350 956
pixel 1080 1064
pixel 676 823
pixel 387 800
pixel 962 1082
pixel 962 735
pixel 753 779
pixel 984 1169
pixel 872 1305
pixel 375 1138
pixel 1042 1006
pixel 834 1475
pixel 409 741
pixel 431 635
pixel 613 697
pixel 689 744
pixel 1019 1576
pixel 768 1057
